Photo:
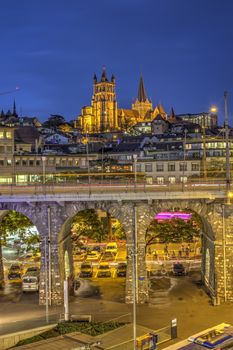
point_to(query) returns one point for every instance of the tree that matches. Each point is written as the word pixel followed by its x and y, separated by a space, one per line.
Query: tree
pixel 54 121
pixel 174 230
pixel 18 227
pixel 87 224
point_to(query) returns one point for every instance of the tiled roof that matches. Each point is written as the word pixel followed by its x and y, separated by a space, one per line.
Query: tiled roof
pixel 26 134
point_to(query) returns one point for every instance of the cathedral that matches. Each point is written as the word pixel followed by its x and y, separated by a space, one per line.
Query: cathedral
pixel 103 115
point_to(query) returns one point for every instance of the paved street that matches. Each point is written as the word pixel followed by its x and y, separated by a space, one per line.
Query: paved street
pixel 180 297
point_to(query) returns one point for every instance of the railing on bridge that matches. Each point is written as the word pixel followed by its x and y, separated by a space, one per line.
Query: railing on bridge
pixel 111 183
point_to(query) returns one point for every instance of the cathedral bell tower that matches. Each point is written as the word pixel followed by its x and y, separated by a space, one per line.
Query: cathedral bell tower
pixel 104 104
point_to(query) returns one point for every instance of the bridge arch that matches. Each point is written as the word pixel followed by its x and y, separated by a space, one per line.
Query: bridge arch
pixel 5 210
pixel 123 213
pixel 211 220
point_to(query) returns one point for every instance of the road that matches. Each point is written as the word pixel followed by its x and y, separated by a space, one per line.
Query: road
pixel 176 297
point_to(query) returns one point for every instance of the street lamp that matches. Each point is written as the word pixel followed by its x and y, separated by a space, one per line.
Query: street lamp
pixel 213 109
pixel 228 179
pixel 43 169
pixel 135 277
pixel 87 156
pixel 184 159
pixel 135 157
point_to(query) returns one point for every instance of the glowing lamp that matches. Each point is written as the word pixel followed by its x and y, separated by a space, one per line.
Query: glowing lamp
pixel 213 109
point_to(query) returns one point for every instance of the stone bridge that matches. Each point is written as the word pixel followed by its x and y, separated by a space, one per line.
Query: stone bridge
pixel 52 215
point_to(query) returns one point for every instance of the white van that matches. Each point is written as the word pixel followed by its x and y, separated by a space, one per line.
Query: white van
pixel 30 283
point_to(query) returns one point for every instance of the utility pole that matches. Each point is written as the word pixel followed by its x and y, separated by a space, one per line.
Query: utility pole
pixel 204 152
pixel 228 176
pixel 134 277
pixel 184 158
pixel 49 256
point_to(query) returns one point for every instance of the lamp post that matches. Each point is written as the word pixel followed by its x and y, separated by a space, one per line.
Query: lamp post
pixel 224 251
pixel 184 159
pixel 87 157
pixel 46 281
pixel 134 276
pixel 49 256
pixel 43 169
pixel 228 178
pixel 135 157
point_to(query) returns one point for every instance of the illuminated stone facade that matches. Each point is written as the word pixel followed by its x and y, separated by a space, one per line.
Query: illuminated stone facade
pixel 103 115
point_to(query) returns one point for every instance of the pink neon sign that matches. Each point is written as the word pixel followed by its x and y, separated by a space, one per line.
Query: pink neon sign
pixel 172 215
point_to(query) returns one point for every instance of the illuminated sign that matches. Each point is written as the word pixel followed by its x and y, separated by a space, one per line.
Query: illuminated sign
pixel 173 215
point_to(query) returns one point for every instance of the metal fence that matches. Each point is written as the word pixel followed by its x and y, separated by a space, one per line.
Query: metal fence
pixel 164 335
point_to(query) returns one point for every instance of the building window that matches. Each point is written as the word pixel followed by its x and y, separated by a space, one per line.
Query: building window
pixel 9 162
pixel 51 161
pixel 183 179
pixel 17 162
pixel 1 162
pixel 195 167
pixel 37 163
pixel 24 162
pixel 159 167
pixel 139 167
pixel 8 149
pixel 148 167
pixel 160 180
pixel 172 179
pixel 183 166
pixel 171 167
pixel 1 134
pixel 9 134
pixel 2 149
pixel 31 162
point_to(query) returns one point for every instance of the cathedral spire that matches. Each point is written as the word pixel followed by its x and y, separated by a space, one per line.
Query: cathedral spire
pixel 141 91
pixel 14 109
pixel 104 76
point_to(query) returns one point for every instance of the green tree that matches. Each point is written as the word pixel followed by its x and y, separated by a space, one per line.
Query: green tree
pixel 16 225
pixel 87 224
pixel 174 230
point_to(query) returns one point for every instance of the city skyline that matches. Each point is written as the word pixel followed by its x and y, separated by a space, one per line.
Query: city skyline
pixel 52 52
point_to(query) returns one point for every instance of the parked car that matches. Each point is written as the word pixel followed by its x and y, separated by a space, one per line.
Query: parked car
pixel 104 270
pixel 111 247
pixel 121 270
pixel 93 256
pixel 86 270
pixel 96 248
pixel 15 272
pixel 178 269
pixel 14 276
pixel 80 256
pixel 33 270
pixel 108 256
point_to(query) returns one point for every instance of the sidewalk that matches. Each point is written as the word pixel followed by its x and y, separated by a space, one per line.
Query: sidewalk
pixel 118 337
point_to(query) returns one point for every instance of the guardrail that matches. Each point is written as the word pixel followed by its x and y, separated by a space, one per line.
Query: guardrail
pixel 111 187
pixel 164 334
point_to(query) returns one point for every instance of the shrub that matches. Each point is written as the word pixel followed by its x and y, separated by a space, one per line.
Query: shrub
pixel 91 328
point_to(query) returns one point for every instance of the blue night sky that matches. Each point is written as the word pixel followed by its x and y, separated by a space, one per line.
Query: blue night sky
pixel 51 48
